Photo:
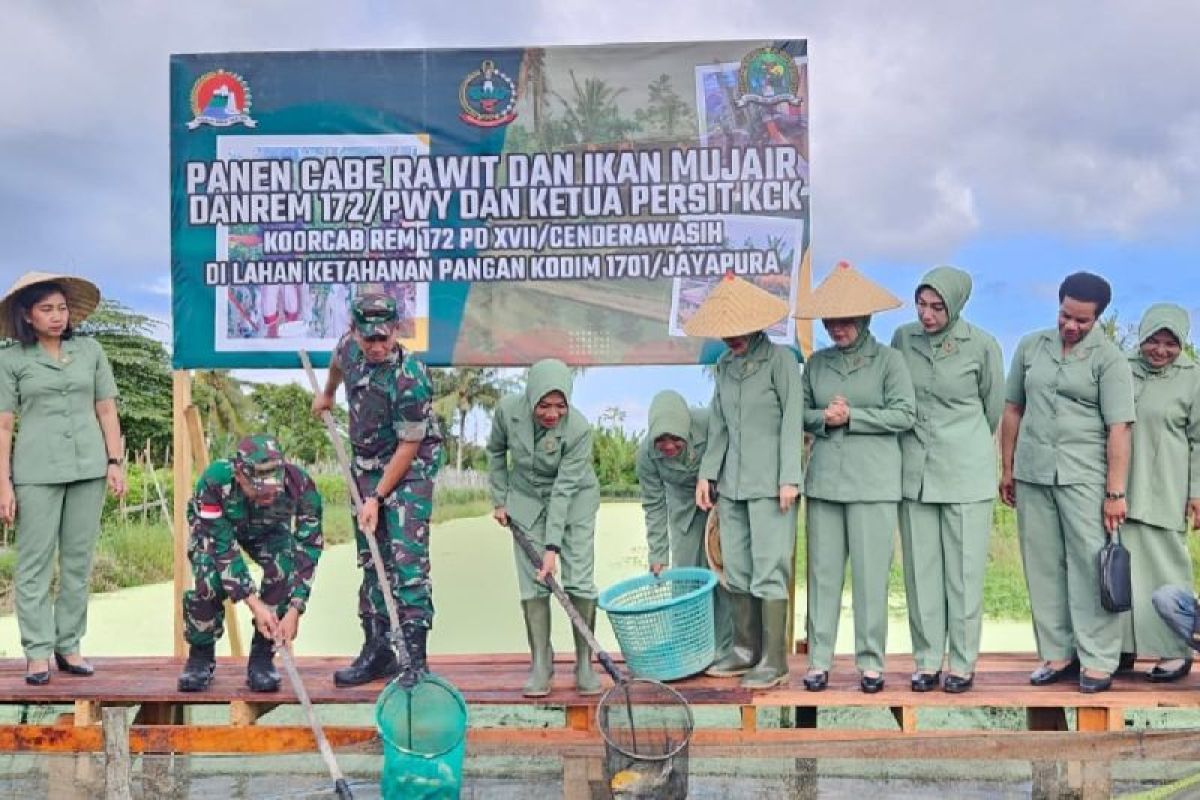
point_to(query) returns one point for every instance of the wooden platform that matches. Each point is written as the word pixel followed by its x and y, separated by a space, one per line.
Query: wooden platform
pixel 159 726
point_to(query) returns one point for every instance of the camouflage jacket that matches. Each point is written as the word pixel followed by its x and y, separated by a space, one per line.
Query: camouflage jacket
pixel 221 517
pixel 390 402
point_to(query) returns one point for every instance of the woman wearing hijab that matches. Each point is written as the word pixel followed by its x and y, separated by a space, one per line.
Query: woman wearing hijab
pixel 1064 459
pixel 858 398
pixel 1164 484
pixel 949 477
pixel 753 462
pixel 542 480
pixel 53 477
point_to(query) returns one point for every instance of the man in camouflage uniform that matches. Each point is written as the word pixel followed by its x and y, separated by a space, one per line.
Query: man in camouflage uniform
pixel 397 453
pixel 258 504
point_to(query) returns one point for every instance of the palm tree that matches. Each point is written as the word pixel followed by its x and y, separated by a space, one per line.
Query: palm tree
pixel 224 407
pixel 592 114
pixel 460 391
pixel 533 79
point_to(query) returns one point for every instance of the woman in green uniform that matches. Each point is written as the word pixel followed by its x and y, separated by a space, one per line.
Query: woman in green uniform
pixel 857 397
pixel 1164 483
pixel 948 478
pixel 753 458
pixel 542 481
pixel 1064 456
pixel 52 479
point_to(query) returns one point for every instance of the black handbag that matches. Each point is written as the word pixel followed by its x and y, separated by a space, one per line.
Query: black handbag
pixel 1116 589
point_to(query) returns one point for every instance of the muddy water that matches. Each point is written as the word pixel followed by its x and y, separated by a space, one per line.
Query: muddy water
pixel 475 593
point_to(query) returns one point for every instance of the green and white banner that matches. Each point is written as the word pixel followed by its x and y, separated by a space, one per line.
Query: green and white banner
pixel 576 202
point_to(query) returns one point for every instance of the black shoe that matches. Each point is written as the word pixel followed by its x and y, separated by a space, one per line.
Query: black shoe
pixel 955 684
pixel 415 636
pixel 198 671
pixel 1159 675
pixel 871 685
pixel 260 669
pixel 1093 685
pixel 1126 664
pixel 925 681
pixel 37 678
pixel 816 681
pixel 1045 675
pixel 375 660
pixel 82 668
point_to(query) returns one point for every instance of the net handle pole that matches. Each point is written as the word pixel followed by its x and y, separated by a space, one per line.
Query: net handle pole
pixel 339 449
pixel 339 781
pixel 572 613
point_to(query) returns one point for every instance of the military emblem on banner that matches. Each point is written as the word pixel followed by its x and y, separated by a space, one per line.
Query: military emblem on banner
pixel 488 97
pixel 220 99
pixel 768 76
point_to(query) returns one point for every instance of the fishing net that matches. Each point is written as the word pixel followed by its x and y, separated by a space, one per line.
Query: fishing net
pixel 646 726
pixel 424 731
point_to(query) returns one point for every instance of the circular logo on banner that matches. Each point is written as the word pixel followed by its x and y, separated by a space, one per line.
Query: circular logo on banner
pixel 220 99
pixel 488 97
pixel 767 77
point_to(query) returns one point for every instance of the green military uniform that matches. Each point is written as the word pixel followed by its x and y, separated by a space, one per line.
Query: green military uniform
pixel 755 440
pixel 1060 467
pixel 1164 473
pixel 853 491
pixel 58 470
pixel 949 477
pixel 674 524
pixel 545 479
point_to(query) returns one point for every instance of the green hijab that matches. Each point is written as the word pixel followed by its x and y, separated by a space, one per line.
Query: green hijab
pixel 669 416
pixel 1163 316
pixel 954 287
pixel 546 376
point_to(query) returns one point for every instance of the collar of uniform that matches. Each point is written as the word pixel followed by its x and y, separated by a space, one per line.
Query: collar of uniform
pixel 68 353
pixel 864 354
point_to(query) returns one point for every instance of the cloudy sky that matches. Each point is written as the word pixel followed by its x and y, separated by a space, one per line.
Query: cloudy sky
pixel 1019 140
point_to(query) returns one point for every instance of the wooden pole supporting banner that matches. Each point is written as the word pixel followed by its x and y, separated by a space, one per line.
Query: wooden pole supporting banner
pixel 181 393
pixel 200 458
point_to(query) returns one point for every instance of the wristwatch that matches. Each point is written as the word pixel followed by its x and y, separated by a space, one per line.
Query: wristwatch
pixel 1114 495
pixel 116 462
pixel 379 498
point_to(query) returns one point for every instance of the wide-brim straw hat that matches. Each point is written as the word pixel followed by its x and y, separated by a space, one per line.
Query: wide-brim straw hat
pixel 82 297
pixel 712 545
pixel 735 307
pixel 845 292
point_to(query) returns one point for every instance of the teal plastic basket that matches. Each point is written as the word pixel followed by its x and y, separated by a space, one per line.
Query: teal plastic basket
pixel 424 732
pixel 664 624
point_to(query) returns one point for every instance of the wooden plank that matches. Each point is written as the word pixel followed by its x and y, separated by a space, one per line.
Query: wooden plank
pixel 242 713
pixel 580 718
pixel 906 717
pixel 181 398
pixel 116 755
pixel 749 716
pixel 87 712
pixel 1100 719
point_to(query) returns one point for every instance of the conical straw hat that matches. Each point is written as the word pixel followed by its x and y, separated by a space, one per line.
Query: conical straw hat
pixel 82 297
pixel 735 307
pixel 845 292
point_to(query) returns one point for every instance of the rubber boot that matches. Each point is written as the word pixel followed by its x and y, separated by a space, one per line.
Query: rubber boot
pixel 772 669
pixel 260 669
pixel 375 660
pixel 198 671
pixel 537 630
pixel 587 682
pixel 415 635
pixel 747 637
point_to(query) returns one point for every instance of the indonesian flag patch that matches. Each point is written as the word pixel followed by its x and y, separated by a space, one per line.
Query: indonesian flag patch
pixel 210 511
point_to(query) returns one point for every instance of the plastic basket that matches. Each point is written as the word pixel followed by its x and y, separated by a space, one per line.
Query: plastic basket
pixel 664 624
pixel 424 732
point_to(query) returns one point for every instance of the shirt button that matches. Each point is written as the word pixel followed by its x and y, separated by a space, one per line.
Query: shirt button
pixel 67 434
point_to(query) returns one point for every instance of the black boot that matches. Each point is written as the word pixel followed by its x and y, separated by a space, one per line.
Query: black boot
pixel 198 671
pixel 260 670
pixel 415 635
pixel 375 660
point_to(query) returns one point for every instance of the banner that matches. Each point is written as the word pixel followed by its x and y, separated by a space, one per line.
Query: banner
pixel 576 202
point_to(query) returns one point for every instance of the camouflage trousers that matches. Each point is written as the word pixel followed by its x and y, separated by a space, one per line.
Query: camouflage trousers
pixel 204 604
pixel 402 534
